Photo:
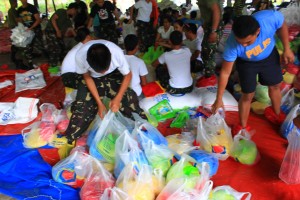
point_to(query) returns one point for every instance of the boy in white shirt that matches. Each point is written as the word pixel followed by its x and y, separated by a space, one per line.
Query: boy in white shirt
pixel 178 65
pixel 194 44
pixel 106 73
pixel 137 65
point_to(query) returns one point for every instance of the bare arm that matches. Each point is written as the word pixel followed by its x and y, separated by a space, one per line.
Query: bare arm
pixel 195 55
pixel 90 22
pixel 115 103
pixel 216 16
pixel 54 23
pixel 38 20
pixel 131 14
pixel 283 34
pixel 93 90
pixel 222 83
pixel 155 63
pixel 143 80
pixel 117 16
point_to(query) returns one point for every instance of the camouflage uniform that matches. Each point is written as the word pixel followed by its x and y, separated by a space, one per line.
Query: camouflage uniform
pixel 85 108
pixel 208 52
pixel 144 33
pixel 71 79
pixel 209 49
pixel 55 47
pixel 107 31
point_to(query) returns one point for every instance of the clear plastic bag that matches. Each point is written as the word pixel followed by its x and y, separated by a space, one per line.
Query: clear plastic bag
pixel 188 188
pixel 181 143
pixel 96 182
pixel 137 184
pixel 73 170
pixel 244 150
pixel 145 132
pixel 115 194
pixel 31 136
pixel 95 125
pixel 103 145
pixel 186 167
pixel 128 151
pixel 214 136
pixel 227 192
pixel 159 156
pixel 290 167
pixel 287 101
pixel 288 124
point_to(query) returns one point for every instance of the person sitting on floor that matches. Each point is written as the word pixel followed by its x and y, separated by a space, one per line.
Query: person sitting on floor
pixel 106 74
pixel 178 65
pixel 194 44
pixel 137 65
pixel 163 32
pixel 68 68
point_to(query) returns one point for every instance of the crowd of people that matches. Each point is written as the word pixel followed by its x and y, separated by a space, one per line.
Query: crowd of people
pixel 97 66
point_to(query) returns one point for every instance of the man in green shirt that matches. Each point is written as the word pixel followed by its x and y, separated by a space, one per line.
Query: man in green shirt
pixel 211 15
pixel 59 24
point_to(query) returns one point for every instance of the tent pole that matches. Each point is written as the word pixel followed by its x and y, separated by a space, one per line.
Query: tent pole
pixel 46 7
pixel 54 5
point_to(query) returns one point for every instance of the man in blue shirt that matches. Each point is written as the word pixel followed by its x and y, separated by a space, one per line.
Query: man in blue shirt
pixel 252 47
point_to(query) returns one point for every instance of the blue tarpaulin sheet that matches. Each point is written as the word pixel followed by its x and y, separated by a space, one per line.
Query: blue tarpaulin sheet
pixel 25 175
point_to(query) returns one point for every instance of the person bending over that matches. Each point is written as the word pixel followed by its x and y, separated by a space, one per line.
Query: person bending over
pixel 105 74
pixel 252 46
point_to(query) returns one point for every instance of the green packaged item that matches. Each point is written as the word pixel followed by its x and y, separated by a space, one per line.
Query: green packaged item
pixel 106 147
pixel 162 110
pixel 152 54
pixel 53 70
pixel 180 120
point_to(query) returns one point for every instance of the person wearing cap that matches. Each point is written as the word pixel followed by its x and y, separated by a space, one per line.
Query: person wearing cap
pixel 60 22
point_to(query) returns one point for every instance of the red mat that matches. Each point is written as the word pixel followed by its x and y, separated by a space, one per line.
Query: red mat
pixel 261 180
pixel 5 42
pixel 53 93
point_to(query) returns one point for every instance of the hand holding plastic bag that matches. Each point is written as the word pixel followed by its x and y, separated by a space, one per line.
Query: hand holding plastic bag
pixel 20 36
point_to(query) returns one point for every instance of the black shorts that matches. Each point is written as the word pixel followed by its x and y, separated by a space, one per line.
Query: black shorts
pixel 268 71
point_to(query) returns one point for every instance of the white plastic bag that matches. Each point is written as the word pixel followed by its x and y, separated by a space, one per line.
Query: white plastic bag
pixel 103 145
pixel 244 150
pixel 287 101
pixel 208 97
pixel 115 194
pixel 227 192
pixel 20 36
pixel 290 167
pixel 128 151
pixel 137 184
pixel 30 80
pixel 97 182
pixel 214 136
pixel 288 123
pixel 22 111
pixel 73 170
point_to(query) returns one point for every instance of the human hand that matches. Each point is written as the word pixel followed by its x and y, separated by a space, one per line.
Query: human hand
pixel 58 34
pixel 212 37
pixel 288 56
pixel 101 110
pixel 114 105
pixel 217 105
